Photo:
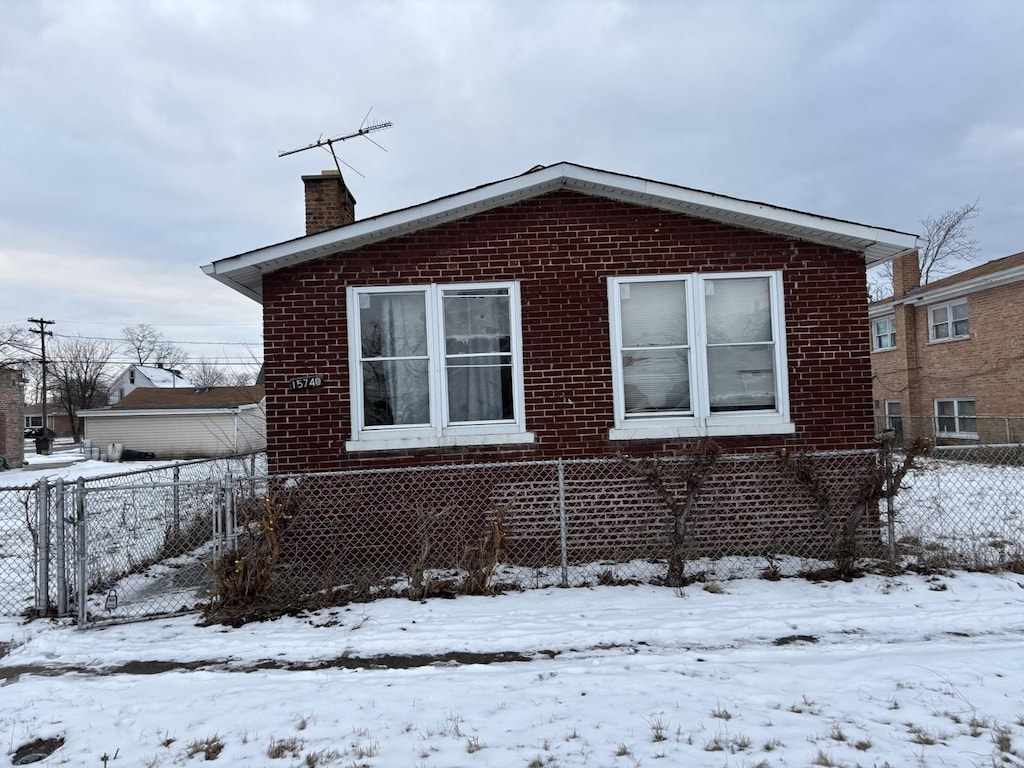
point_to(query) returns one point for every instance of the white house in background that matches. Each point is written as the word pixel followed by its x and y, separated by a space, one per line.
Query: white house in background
pixel 182 423
pixel 135 376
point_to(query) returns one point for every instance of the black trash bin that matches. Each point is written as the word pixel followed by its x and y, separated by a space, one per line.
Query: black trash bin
pixel 43 445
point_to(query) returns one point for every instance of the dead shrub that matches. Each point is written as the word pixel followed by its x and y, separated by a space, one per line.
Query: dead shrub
pixel 245 576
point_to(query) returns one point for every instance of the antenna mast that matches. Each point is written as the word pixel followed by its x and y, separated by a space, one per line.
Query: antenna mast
pixel 366 130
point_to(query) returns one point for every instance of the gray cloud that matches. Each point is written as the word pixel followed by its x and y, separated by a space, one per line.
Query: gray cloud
pixel 139 138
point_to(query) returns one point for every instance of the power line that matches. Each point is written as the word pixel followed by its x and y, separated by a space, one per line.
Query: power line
pixel 168 341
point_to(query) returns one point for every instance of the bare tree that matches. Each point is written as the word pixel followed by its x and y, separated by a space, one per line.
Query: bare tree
pixel 204 373
pixel 16 348
pixel 147 346
pixel 77 368
pixel 949 243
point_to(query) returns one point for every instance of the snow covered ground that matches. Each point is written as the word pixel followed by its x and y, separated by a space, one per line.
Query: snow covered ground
pixel 905 671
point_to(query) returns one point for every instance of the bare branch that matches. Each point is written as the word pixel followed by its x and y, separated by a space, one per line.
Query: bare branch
pixel 147 346
pixel 78 371
pixel 949 241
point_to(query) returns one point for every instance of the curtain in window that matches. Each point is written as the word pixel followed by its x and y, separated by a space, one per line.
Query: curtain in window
pixel 478 355
pixel 394 350
pixel 741 350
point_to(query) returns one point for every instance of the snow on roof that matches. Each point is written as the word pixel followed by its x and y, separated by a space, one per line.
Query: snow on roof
pixel 163 377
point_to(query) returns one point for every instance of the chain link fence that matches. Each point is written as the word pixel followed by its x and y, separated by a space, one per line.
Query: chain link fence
pixel 144 543
pixel 137 540
pixel 426 530
pixel 957 426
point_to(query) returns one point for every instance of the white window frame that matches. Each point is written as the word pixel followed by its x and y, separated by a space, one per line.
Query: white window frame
pixel 890 417
pixel 957 417
pixel 883 340
pixel 33 422
pixel 702 422
pixel 438 433
pixel 948 323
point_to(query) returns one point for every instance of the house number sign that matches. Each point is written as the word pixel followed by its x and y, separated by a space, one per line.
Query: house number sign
pixel 305 382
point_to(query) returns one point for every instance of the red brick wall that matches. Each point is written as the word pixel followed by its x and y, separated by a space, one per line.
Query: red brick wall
pixel 561 247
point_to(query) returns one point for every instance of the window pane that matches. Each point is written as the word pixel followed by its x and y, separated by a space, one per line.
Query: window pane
pixel 480 388
pixel 959 327
pixel 393 325
pixel 396 392
pixel 959 311
pixel 945 408
pixel 653 313
pixel 741 378
pixel 966 407
pixel 477 321
pixel 656 381
pixel 738 310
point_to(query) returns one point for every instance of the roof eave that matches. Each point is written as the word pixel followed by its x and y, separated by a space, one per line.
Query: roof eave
pixel 244 272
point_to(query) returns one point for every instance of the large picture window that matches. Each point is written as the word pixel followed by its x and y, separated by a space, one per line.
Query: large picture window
pixel 435 365
pixel 698 354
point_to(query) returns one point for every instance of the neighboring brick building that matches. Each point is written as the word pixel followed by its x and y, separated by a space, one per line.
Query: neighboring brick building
pixel 12 394
pixel 566 312
pixel 948 357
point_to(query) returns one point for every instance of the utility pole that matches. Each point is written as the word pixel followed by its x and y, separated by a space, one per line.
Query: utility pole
pixel 43 333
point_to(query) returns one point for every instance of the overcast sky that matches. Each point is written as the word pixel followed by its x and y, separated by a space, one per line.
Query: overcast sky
pixel 139 138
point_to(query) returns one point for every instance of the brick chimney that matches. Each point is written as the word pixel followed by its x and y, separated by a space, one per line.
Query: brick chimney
pixel 329 204
pixel 906 274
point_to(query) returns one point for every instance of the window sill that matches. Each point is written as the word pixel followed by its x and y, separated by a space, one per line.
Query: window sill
pixel 661 432
pixel 442 441
pixel 957 435
pixel 950 339
pixel 883 349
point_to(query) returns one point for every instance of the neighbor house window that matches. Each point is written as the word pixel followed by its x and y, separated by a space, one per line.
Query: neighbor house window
pixel 33 422
pixel 698 354
pixel 436 365
pixel 956 418
pixel 884 333
pixel 948 321
pixel 894 417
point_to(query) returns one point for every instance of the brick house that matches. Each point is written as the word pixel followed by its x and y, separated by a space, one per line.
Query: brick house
pixel 12 443
pixel 947 357
pixel 567 312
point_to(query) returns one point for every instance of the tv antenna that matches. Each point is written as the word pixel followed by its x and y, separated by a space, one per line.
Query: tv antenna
pixel 364 130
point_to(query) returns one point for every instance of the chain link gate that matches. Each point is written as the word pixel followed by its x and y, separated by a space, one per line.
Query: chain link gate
pixel 145 550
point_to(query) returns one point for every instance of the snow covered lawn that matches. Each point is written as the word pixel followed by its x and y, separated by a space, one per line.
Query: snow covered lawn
pixel 905 671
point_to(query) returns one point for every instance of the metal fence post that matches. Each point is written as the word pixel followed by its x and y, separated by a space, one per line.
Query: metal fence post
pixel 176 504
pixel 82 552
pixel 230 535
pixel 60 547
pixel 890 512
pixel 563 524
pixel 42 547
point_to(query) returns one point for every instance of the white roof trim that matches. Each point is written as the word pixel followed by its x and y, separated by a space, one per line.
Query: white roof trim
pixel 982 283
pixel 955 290
pixel 244 272
pixel 119 412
